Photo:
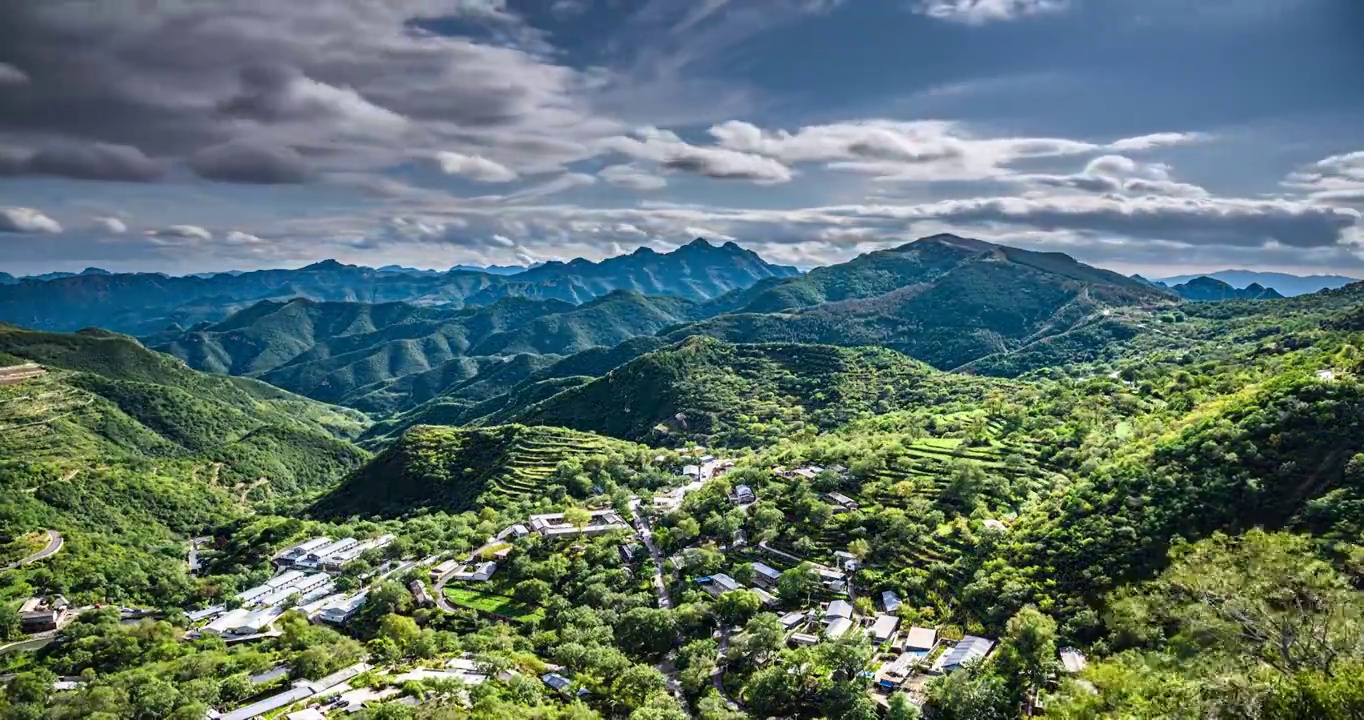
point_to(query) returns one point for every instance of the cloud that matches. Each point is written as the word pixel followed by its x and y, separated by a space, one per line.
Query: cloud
pixel 236 237
pixel 632 177
pixel 980 12
pixel 672 153
pixel 474 167
pixel 83 161
pixel 1119 174
pixel 1336 179
pixel 567 181
pixel 26 220
pixel 182 232
pixel 276 93
pixel 109 225
pixel 251 162
pixel 1156 140
pixel 10 75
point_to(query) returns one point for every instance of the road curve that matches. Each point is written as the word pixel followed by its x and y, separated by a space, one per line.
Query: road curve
pixel 55 541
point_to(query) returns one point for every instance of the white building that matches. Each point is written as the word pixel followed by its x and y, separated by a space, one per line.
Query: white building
pixel 444 569
pixel 920 639
pixel 969 649
pixel 838 628
pixel 890 601
pixel 600 521
pixel 302 549
pixel 838 610
pixel 480 572
pixel 342 610
pixel 884 627
pixel 792 620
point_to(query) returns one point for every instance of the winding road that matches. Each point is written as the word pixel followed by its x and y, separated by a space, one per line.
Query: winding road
pixel 55 541
pixel 646 534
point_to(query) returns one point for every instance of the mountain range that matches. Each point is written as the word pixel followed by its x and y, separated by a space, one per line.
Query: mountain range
pixel 146 303
pixel 1206 289
pixel 1284 283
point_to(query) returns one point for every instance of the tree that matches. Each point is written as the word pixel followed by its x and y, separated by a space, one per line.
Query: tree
pixel 1027 654
pixel 636 685
pixel 577 517
pixel 762 639
pixel 33 687
pixel 533 591
pixel 737 606
pixel 900 708
pixel 860 548
pixel 646 631
pixel 400 630
pixel 847 656
pixel 796 584
pixel 10 628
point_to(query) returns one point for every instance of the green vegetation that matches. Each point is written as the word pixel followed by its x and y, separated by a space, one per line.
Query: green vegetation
pixel 498 605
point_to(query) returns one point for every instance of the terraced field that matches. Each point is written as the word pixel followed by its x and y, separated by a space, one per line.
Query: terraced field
pixel 456 469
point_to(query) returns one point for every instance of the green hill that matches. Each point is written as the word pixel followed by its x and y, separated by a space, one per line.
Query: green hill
pixel 457 469
pixel 394 356
pixel 709 390
pixel 945 300
pixel 126 451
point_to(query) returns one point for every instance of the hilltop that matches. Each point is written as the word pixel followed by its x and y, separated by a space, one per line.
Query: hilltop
pixel 945 300
pixel 458 469
pixel 725 394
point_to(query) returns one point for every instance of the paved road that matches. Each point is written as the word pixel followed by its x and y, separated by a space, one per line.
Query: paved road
pixel 718 677
pixel 646 534
pixel 55 541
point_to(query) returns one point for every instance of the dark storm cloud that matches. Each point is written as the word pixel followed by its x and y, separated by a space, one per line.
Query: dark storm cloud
pixel 93 161
pixel 246 162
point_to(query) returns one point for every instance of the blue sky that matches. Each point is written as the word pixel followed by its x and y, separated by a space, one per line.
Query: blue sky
pixel 1153 136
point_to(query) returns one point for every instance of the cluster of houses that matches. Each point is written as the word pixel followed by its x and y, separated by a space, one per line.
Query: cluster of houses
pixel 552 525
pixel 327 554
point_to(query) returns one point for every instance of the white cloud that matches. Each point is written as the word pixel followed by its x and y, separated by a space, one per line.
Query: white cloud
pixel 1336 179
pixel 11 75
pixel 109 224
pixel 1156 140
pixel 673 154
pixel 26 220
pixel 474 167
pixel 980 12
pixel 632 177
pixel 567 181
pixel 237 237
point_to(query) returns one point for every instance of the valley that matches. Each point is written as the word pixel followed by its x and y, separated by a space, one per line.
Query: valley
pixel 950 479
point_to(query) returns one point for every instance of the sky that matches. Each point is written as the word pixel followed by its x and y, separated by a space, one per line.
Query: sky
pixel 1153 136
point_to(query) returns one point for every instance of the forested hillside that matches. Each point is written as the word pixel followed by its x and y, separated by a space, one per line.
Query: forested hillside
pixel 127 452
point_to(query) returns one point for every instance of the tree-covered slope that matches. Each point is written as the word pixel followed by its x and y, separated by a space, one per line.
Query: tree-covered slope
pixel 738 394
pixel 125 451
pixel 946 301
pixel 457 469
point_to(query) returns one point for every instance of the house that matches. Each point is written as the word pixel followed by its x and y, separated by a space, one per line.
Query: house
pixel 838 610
pixel 270 704
pixel 315 556
pixel 515 532
pixel 895 672
pixel 300 550
pixel 838 628
pixel 792 620
pixel 719 584
pixel 340 559
pixel 890 601
pixel 743 495
pixel 970 649
pixel 419 594
pixel 476 573
pixel 740 538
pixel 804 639
pixel 285 579
pixel 444 569
pixel 628 552
pixel 920 639
pixel 557 682
pixel 243 621
pixel 1073 661
pixel 841 502
pixel 884 627
pixel 343 609
pixel 845 560
pixel 43 614
pixel 599 521
pixel 195 616
pixel 692 471
pixel 766 575
pixel 834 580
pixel 767 598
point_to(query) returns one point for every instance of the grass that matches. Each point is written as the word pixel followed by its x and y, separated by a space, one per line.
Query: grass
pixel 494 604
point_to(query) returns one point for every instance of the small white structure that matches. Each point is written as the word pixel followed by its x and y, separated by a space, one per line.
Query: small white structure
pixel 743 495
pixel 838 628
pixel 792 620
pixel 884 627
pixel 841 502
pixel 1073 660
pixel 343 609
pixel 970 648
pixel 480 572
pixel 298 551
pixel 838 610
pixel 890 601
pixel 805 639
pixel 444 569
pixel 920 639
pixel 719 584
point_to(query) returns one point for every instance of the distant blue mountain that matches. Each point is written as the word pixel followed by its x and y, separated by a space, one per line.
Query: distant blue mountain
pixel 1286 284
